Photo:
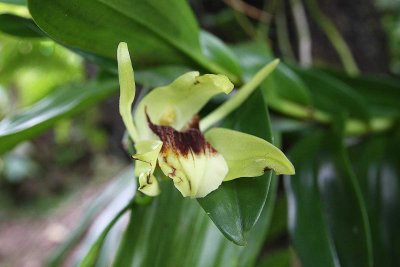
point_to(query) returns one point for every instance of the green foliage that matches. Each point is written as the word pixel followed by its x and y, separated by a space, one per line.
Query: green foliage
pixel 42 115
pixel 15 2
pixel 377 164
pixel 237 204
pixel 19 26
pixel 159 38
pixel 157 235
pixel 326 190
pixel 343 202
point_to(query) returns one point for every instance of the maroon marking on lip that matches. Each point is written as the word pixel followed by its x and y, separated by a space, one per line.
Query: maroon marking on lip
pixel 185 142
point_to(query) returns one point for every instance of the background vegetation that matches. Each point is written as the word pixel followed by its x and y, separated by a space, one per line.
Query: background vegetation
pixel 333 105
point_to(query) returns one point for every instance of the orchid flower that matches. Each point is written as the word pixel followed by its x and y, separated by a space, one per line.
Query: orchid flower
pixel 165 129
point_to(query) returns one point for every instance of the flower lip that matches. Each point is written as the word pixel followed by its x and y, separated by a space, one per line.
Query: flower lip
pixel 184 142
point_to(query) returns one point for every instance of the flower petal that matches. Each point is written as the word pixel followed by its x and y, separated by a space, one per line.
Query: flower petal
pixel 193 164
pixel 175 104
pixel 248 155
pixel 146 161
pixel 127 88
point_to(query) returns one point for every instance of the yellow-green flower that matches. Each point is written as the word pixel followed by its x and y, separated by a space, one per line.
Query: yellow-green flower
pixel 166 131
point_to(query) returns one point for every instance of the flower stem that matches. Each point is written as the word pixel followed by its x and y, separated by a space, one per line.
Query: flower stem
pixel 236 100
pixel 352 126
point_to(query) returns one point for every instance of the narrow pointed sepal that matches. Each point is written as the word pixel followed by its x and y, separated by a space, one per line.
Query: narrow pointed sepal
pixel 127 89
pixel 248 155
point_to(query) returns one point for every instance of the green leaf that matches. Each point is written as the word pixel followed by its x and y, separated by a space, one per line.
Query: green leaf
pixel 159 76
pixel 333 96
pixel 327 216
pixel 377 164
pixel 175 231
pixel 156 37
pixel 252 57
pixel 61 103
pixel 218 52
pixel 277 258
pixel 14 2
pixel 117 185
pixel 151 29
pixel 19 26
pixel 236 206
pixel 304 202
pixel 381 93
pixel 91 257
pixel 282 86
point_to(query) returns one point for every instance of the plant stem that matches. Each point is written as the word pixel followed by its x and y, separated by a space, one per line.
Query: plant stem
pixel 334 36
pixel 303 32
pixel 282 33
pixel 236 100
pixel 352 127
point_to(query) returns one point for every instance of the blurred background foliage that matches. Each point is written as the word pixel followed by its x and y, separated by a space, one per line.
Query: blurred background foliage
pixel 333 105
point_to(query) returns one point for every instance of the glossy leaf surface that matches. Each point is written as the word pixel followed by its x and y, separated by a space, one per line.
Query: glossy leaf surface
pixel 282 85
pixel 63 102
pixel 157 37
pixel 175 231
pixel 381 93
pixel 216 50
pixel 236 205
pixel 326 211
pixel 151 29
pixel 377 163
pixel 333 96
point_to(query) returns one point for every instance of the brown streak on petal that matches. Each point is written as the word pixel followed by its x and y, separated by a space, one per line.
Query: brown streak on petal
pixel 173 173
pixel 185 142
pixel 194 123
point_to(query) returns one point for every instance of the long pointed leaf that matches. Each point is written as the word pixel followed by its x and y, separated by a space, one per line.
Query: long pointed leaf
pixel 61 103
pixel 236 205
pixel 326 212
